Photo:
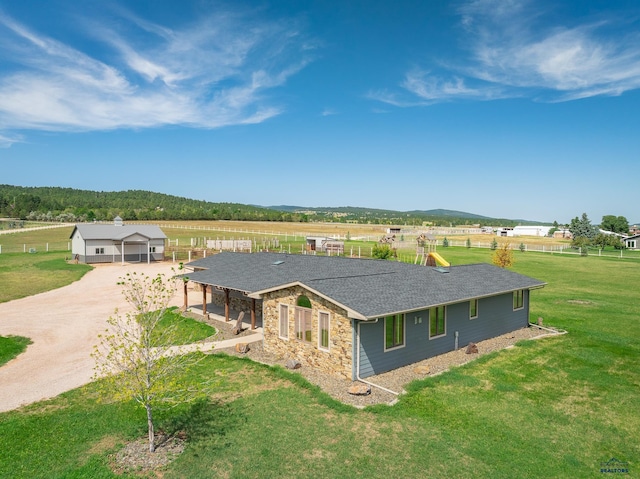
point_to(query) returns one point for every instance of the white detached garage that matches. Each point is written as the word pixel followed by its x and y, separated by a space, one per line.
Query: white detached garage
pixel 99 243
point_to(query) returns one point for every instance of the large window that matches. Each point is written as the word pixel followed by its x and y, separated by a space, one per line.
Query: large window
pixel 303 319
pixel 473 309
pixel 518 299
pixel 323 330
pixel 283 329
pixel 394 331
pixel 437 322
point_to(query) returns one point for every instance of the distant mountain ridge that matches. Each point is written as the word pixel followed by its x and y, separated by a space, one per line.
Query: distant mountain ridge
pixel 71 205
pixel 440 213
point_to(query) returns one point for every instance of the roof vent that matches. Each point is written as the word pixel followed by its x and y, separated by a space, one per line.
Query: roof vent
pixel 117 221
pixel 276 263
pixel 440 269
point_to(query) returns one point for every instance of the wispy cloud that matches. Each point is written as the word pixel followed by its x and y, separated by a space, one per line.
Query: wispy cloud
pixel 514 49
pixel 215 72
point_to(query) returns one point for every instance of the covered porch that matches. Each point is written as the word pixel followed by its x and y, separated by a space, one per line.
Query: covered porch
pixel 222 304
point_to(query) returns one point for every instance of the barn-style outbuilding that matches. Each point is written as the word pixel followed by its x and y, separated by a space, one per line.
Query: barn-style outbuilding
pixel 117 242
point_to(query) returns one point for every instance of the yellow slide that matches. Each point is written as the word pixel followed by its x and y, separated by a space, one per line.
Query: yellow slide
pixel 439 259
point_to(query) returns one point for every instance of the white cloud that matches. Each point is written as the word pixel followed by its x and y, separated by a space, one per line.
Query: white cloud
pixel 513 50
pixel 215 72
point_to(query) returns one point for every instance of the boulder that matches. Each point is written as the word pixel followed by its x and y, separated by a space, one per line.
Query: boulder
pixel 238 327
pixel 293 364
pixel 472 348
pixel 422 370
pixel 242 348
pixel 359 389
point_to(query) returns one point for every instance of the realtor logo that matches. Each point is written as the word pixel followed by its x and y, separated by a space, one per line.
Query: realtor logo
pixel 614 466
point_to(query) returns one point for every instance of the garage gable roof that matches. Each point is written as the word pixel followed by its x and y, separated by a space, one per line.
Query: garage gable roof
pixel 368 288
pixel 117 233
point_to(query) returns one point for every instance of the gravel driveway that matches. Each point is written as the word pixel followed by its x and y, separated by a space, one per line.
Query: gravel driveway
pixel 63 325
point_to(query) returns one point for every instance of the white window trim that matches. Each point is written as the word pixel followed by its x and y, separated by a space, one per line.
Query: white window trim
pixel 320 347
pixel 445 323
pixel 280 335
pixel 404 334
pixel 470 317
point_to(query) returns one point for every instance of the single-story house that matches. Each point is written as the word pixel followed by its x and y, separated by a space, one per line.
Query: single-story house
pixel 632 242
pixel 359 317
pixel 104 243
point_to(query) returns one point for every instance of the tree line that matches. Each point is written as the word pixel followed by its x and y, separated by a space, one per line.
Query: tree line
pixel 608 234
pixel 72 205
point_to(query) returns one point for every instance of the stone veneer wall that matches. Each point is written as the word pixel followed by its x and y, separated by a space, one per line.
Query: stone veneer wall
pixel 236 303
pixel 337 361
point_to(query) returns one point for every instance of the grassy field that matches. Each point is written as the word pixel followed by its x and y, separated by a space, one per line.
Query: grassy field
pixel 11 346
pixel 28 274
pixel 557 407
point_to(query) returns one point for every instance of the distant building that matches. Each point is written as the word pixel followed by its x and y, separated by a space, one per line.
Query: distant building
pixel 100 243
pixel 524 231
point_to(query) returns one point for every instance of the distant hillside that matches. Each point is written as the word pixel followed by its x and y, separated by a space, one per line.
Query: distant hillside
pixel 72 205
pixel 436 217
pixel 68 204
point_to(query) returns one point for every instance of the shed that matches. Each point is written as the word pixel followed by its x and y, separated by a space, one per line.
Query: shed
pixel 117 242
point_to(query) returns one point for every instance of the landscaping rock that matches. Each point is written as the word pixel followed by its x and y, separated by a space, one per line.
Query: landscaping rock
pixel 472 348
pixel 359 389
pixel 422 370
pixel 242 348
pixel 293 364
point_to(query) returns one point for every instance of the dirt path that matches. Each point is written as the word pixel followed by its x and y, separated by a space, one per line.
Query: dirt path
pixel 63 325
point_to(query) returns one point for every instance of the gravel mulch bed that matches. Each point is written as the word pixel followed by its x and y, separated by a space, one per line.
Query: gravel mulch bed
pixel 393 380
pixel 135 456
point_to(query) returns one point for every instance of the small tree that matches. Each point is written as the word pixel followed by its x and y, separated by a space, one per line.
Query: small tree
pixel 382 251
pixel 445 242
pixel 468 243
pixel 133 360
pixel 494 244
pixel 522 247
pixel 503 256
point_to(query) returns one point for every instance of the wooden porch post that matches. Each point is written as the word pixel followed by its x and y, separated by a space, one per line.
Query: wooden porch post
pixel 226 304
pixel 204 299
pixel 186 298
pixel 253 313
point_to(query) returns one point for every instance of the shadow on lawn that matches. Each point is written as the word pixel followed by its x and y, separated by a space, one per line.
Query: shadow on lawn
pixel 206 424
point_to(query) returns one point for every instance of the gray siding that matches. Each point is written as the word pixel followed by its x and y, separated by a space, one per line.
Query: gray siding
pixel 495 317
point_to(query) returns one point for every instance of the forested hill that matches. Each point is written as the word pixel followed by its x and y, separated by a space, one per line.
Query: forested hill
pixel 68 204
pixel 71 205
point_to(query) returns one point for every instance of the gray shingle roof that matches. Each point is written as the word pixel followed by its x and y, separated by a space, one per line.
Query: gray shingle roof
pixel 92 231
pixel 369 288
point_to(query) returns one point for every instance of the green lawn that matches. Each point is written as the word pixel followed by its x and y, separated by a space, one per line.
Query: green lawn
pixel 11 346
pixel 186 330
pixel 557 407
pixel 24 274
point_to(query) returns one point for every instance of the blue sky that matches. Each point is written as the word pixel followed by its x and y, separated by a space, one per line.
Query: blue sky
pixel 513 109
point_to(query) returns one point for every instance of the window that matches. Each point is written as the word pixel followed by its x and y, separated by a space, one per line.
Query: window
pixel 152 249
pixel 437 323
pixel 283 330
pixel 303 319
pixel 393 331
pixel 473 309
pixel 323 330
pixel 99 250
pixel 518 299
